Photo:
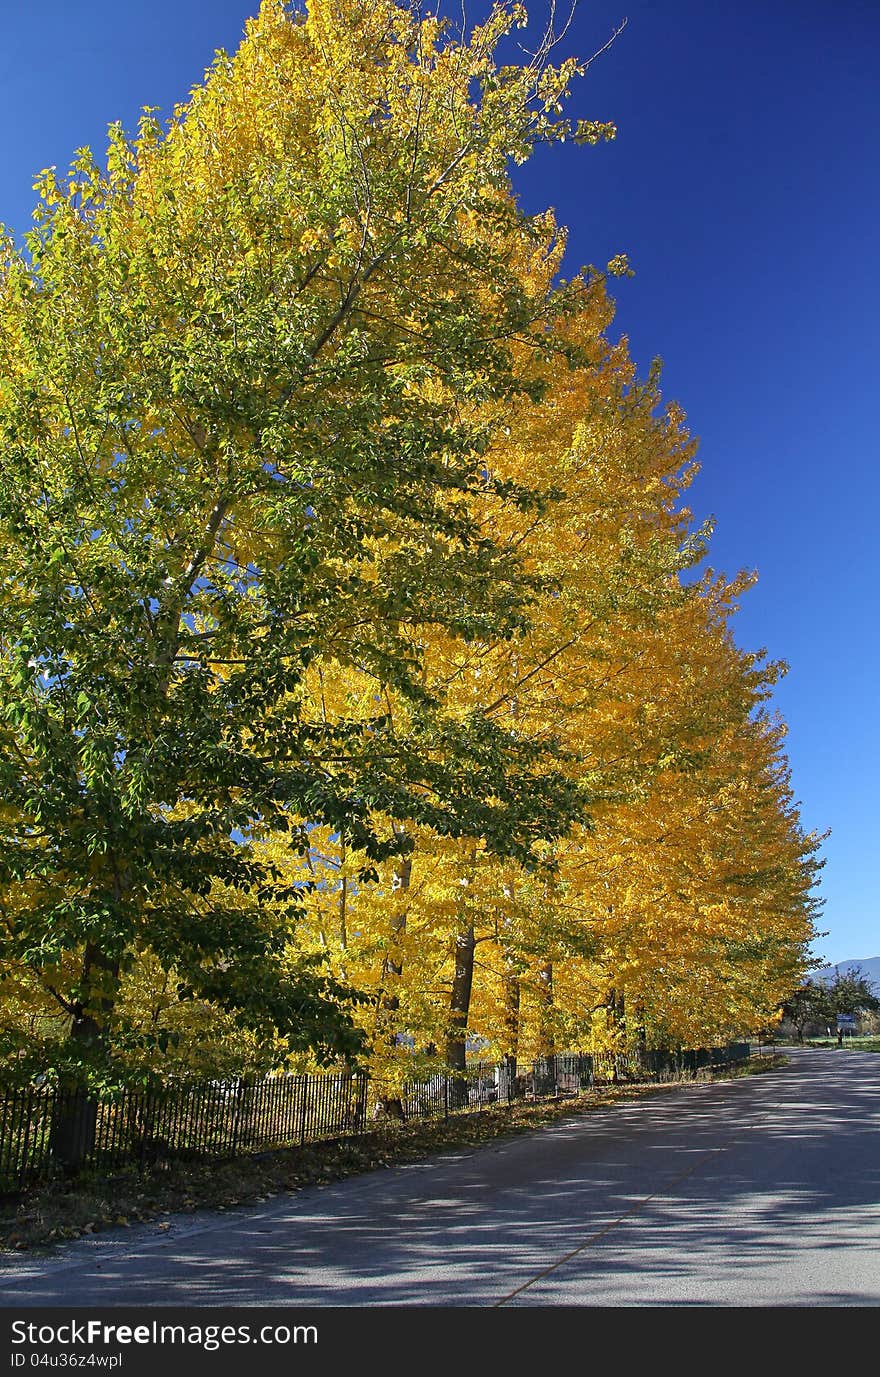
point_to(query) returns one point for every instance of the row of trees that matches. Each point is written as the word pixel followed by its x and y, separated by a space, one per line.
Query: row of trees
pixel 815 1004
pixel 358 689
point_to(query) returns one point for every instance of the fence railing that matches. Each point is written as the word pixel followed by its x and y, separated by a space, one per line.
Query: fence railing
pixel 564 1074
pixel 43 1129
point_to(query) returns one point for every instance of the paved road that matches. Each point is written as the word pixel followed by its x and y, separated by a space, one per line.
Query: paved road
pixel 761 1191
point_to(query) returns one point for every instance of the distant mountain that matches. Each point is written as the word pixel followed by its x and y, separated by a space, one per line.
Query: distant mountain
pixel 870 969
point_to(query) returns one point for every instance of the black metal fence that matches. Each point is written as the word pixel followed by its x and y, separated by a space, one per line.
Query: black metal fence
pixel 44 1129
pixel 667 1065
pixel 572 1073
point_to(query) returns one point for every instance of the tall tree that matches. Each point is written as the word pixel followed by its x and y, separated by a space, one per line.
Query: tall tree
pixel 234 360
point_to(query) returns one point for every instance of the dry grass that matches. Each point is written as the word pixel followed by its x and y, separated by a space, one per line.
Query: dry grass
pixel 50 1212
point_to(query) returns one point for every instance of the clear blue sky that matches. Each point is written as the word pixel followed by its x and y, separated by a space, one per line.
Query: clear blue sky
pixel 743 185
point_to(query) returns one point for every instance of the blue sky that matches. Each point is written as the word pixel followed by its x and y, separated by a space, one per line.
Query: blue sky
pixel 743 187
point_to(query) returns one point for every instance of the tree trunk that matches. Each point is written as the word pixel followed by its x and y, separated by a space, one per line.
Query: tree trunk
pixel 640 1043
pixel 511 987
pixel 388 1104
pixel 511 979
pixel 616 1011
pixel 343 896
pixel 546 1028
pixel 459 1011
pixel 75 1113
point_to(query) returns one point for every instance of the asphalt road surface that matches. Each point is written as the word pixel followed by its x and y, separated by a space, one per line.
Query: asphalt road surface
pixel 762 1191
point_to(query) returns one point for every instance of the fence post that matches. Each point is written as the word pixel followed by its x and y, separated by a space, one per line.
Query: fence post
pixel 236 1118
pixel 363 1100
pixel 304 1085
pixel 347 1116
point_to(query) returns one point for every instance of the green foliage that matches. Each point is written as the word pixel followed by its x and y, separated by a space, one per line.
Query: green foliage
pixel 851 993
pixel 233 365
pixel 818 1001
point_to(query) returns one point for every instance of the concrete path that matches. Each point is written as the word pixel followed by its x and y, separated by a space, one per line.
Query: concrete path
pixel 763 1191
